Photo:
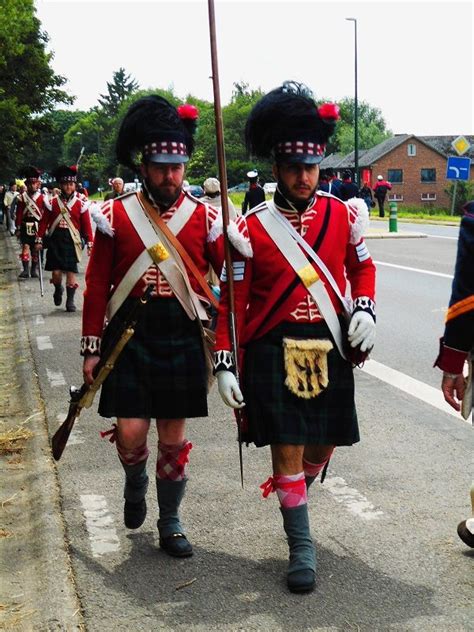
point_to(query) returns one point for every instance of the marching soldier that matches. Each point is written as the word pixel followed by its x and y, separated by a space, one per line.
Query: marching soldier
pixel 29 210
pixel 297 352
pixel 161 236
pixel 65 224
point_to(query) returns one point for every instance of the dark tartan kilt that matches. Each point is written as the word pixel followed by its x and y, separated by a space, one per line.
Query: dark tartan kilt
pixel 275 415
pixel 61 254
pixel 161 373
pixel 27 239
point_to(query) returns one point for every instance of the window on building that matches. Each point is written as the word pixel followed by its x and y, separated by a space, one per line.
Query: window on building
pixel 428 175
pixel 395 175
pixel 395 197
pixel 428 197
pixel 411 150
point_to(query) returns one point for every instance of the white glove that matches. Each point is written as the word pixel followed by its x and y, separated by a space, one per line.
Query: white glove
pixel 229 389
pixel 362 331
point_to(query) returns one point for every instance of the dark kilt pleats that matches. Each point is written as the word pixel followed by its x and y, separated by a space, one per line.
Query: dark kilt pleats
pixel 161 373
pixel 61 254
pixel 275 415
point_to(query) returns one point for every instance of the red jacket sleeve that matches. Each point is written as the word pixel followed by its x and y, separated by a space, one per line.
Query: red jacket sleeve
pixel 360 270
pixel 96 295
pixel 46 218
pixel 242 276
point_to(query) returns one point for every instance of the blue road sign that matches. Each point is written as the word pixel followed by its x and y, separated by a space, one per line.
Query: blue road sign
pixel 458 168
pixel 85 183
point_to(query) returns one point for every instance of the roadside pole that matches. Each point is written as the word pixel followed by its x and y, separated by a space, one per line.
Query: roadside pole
pixel 458 167
pixel 453 202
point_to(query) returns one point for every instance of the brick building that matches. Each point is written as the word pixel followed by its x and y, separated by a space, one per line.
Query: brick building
pixel 415 165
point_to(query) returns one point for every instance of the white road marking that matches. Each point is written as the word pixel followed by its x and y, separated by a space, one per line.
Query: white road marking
pixel 443 237
pixel 56 378
pixel 419 270
pixel 76 437
pixel 44 342
pixel 39 320
pixel 353 500
pixel 100 525
pixel 410 385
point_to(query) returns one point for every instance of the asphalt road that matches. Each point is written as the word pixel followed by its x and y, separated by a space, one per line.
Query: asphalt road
pixel 384 522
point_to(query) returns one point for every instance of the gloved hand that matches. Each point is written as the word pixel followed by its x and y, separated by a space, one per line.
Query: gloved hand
pixel 362 331
pixel 229 389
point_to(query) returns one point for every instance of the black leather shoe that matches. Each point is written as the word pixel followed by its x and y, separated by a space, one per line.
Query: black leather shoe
pixel 301 581
pixel 176 545
pixel 58 295
pixel 134 514
pixel 466 536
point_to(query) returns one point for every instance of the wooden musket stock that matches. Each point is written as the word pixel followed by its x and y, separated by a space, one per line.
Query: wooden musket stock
pixel 84 396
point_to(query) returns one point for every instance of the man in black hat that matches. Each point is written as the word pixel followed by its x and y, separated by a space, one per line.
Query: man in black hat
pixel 161 374
pixel 255 194
pixel 29 210
pixel 291 311
pixel 66 223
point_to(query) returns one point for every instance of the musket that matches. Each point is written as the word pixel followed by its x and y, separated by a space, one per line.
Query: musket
pixel 80 156
pixel 40 269
pixel 225 214
pixel 84 396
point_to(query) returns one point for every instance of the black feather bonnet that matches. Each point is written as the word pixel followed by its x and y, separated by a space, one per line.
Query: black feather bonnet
pixel 30 173
pixel 287 125
pixel 156 131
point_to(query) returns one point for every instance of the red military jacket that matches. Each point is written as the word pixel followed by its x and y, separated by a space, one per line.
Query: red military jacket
pixel 114 253
pixel 78 210
pixel 334 230
pixel 23 212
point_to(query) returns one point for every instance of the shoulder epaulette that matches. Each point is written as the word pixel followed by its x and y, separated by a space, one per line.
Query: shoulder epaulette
pixel 256 209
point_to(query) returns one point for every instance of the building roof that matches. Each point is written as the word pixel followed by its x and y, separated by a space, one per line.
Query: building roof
pixel 368 157
pixel 442 144
pixel 332 160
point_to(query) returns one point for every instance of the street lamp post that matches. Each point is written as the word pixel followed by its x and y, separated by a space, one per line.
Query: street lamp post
pixel 356 116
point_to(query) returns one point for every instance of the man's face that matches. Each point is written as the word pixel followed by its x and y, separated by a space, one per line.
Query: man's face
pixel 299 180
pixel 165 180
pixel 13 187
pixel 32 186
pixel 117 186
pixel 67 188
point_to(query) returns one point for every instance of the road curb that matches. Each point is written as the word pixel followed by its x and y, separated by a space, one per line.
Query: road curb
pixel 402 235
pixel 35 569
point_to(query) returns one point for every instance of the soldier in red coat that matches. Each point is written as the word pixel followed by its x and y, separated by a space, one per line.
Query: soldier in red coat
pixel 161 373
pixel 292 304
pixel 65 223
pixel 29 210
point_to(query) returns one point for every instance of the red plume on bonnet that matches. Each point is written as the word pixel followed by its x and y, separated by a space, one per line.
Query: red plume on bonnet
pixel 329 112
pixel 188 111
pixel 73 168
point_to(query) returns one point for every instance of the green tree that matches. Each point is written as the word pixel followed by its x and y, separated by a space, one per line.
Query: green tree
pixel 372 127
pixel 51 151
pixel 28 85
pixel 118 90
pixel 464 193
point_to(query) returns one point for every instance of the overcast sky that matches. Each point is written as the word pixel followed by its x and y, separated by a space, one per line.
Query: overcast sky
pixel 415 58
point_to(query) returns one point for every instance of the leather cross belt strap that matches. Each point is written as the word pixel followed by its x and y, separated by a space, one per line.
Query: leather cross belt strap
pixel 158 250
pixel 306 271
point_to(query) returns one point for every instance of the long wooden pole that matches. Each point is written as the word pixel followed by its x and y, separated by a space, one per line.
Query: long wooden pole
pixel 225 211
